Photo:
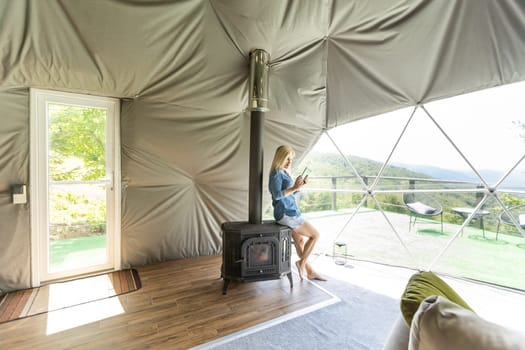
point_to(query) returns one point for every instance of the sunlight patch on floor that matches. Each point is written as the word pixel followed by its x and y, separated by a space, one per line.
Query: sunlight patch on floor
pixel 76 316
pixel 380 279
pixel 64 294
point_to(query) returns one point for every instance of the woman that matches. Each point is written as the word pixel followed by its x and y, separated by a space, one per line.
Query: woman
pixel 285 209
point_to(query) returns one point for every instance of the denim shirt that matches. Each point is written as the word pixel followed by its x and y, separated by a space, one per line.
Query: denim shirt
pixel 280 181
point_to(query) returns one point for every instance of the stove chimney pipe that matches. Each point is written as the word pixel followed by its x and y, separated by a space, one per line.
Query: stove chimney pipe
pixel 259 69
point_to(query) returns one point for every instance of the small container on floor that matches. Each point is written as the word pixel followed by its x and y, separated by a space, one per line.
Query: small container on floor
pixel 340 253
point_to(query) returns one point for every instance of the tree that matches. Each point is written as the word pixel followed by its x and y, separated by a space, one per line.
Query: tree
pixel 77 137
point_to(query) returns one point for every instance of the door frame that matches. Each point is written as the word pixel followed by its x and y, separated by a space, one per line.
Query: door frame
pixel 39 176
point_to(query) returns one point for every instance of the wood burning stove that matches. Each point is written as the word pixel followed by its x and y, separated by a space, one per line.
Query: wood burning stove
pixel 256 250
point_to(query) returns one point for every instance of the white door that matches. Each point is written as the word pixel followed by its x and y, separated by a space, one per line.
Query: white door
pixel 74 186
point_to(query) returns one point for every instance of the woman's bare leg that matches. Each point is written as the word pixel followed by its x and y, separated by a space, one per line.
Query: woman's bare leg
pixel 310 273
pixel 304 249
pixel 312 235
pixel 299 244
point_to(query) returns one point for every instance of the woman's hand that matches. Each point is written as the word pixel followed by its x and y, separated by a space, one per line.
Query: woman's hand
pixel 299 182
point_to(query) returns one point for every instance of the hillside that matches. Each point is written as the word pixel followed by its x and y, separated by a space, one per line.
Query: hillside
pixel 515 180
pixel 331 164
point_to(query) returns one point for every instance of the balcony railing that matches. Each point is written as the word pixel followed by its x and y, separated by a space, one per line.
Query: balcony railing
pixel 410 182
pixel 343 192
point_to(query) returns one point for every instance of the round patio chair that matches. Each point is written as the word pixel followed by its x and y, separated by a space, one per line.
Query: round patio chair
pixel 517 212
pixel 421 205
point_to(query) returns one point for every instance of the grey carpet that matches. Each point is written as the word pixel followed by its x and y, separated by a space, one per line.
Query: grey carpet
pixel 360 321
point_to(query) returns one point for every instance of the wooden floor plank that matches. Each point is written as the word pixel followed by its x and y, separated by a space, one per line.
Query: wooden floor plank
pixel 180 305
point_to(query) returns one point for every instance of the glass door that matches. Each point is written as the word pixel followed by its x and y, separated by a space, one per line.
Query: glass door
pixel 75 212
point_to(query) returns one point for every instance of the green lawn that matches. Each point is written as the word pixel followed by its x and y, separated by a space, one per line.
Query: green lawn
pixel 77 251
pixel 369 237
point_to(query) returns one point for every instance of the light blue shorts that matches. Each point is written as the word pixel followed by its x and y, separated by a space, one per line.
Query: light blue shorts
pixel 292 221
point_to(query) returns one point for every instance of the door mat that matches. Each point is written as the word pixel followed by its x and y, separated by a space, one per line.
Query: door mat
pixel 55 296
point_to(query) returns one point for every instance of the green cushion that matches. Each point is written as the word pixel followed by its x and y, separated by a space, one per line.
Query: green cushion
pixel 422 285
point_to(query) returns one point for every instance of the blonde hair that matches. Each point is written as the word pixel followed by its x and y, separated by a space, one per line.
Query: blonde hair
pixel 281 153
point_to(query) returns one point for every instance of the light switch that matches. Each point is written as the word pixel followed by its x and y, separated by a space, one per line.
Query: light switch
pixel 19 194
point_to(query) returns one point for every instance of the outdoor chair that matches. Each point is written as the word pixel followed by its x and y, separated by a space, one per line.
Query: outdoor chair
pixel 517 212
pixel 421 205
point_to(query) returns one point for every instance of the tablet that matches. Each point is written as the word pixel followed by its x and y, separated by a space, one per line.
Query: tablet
pixel 306 172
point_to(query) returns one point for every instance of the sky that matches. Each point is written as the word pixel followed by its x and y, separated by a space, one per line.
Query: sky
pixel 481 124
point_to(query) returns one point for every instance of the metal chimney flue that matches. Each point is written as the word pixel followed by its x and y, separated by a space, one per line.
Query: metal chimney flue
pixel 259 70
pixel 256 250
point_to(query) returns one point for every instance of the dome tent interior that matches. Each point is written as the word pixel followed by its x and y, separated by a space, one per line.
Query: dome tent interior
pixel 180 73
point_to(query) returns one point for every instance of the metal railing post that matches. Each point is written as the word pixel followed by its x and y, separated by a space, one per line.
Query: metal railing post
pixel 334 194
pixel 365 181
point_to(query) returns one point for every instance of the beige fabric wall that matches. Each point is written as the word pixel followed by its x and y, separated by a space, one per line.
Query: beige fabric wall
pixel 181 70
pixel 14 169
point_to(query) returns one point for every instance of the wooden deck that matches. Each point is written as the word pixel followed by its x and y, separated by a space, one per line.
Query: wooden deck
pixel 180 305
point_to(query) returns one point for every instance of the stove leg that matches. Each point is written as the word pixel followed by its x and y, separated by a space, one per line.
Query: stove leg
pixel 289 275
pixel 225 286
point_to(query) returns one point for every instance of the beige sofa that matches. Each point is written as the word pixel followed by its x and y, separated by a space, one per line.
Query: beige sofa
pixel 434 317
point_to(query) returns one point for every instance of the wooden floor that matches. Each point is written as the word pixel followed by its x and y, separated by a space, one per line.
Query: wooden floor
pixel 180 305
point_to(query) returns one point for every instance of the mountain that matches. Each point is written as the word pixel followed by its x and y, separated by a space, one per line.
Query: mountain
pixel 516 180
pixel 327 164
